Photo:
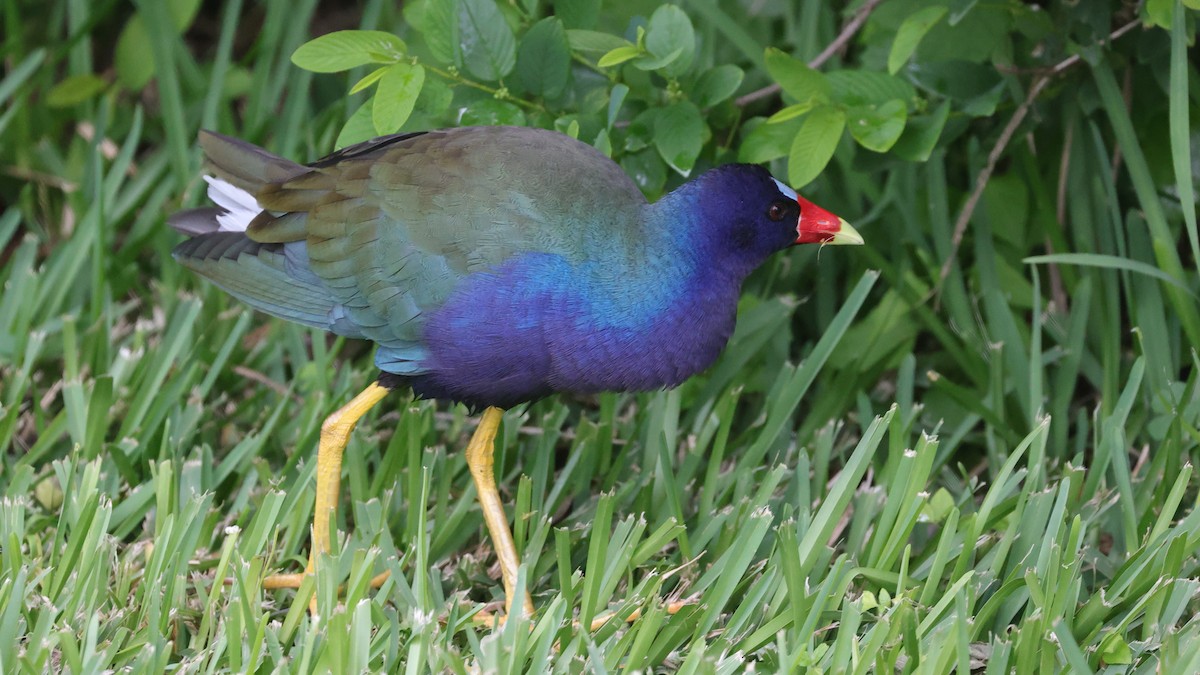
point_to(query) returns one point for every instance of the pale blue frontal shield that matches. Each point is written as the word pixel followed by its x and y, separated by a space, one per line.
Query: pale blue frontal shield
pixel 787 191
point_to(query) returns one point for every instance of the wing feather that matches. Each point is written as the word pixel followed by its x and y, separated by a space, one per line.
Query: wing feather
pixel 393 225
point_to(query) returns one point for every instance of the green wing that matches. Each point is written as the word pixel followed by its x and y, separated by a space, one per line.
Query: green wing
pixel 391 226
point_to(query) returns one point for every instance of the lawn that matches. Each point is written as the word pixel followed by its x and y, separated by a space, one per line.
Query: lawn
pixel 966 446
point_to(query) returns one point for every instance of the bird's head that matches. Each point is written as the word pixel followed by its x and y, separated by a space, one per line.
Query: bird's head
pixel 746 214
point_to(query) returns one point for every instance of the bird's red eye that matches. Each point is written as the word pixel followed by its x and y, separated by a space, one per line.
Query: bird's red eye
pixel 777 211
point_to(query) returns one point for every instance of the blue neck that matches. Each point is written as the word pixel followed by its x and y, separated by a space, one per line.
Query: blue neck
pixel 644 310
pixel 665 267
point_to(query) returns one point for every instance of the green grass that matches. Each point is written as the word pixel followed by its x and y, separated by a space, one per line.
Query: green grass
pixel 872 478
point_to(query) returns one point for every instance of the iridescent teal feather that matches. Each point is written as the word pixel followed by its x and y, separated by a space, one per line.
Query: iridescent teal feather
pixel 491 264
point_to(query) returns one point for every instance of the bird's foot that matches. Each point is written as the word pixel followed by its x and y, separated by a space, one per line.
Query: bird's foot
pixel 599 621
pixel 294 581
pixel 277 581
pixel 488 617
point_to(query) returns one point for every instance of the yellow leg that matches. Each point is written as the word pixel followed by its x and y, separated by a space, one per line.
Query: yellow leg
pixel 335 433
pixel 672 608
pixel 480 459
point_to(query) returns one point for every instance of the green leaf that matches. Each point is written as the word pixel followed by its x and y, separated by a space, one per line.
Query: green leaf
pixel 649 61
pixel 679 135
pixel 640 132
pixel 671 38
pixel 959 9
pixel 75 90
pixel 10 84
pixel 1158 13
pixel 567 125
pixel 1110 262
pixel 813 146
pixel 603 143
pixel 716 85
pixel 577 13
pixel 544 59
pixel 877 128
pixel 618 56
pixel 358 128
pixel 647 171
pixel 183 13
pixel 1166 254
pixel 958 80
pixel 1006 203
pixel 615 98
pixel 238 81
pixel 134 58
pixel 49 493
pixel 491 112
pixel 436 97
pixel 977 35
pixel 1179 124
pixel 868 601
pixel 488 47
pixel 865 87
pixel 397 94
pixel 1114 650
pixel 767 142
pixel 939 506
pixel 910 34
pixel 791 112
pixel 346 49
pixel 368 79
pixel 985 104
pixel 795 77
pixel 594 43
pixel 921 134
pixel 862 346
pixel 437 21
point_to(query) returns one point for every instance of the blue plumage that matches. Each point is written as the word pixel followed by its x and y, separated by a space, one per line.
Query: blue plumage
pixel 495 266
pixel 491 266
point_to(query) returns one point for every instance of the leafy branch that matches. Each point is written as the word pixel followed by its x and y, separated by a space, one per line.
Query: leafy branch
pixel 1001 144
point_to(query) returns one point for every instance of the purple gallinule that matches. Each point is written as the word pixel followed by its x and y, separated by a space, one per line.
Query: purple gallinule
pixel 491 266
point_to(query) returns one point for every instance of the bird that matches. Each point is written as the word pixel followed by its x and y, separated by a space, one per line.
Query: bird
pixel 491 266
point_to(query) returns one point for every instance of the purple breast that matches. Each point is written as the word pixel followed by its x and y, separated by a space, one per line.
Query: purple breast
pixel 536 325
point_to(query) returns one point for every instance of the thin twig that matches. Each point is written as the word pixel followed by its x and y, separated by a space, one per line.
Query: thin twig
pixel 277 387
pixel 848 31
pixel 1142 458
pixel 40 178
pixel 1074 59
pixel 964 217
pixel 981 181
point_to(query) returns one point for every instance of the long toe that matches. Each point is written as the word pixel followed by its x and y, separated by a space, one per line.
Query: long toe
pixel 276 581
pixel 671 608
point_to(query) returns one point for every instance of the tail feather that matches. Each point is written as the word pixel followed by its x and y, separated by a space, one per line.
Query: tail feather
pixel 234 211
pixel 260 275
pixel 194 222
pixel 246 166
pixel 273 275
pixel 242 171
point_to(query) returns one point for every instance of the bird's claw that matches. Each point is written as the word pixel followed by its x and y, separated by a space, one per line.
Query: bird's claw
pixel 277 581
